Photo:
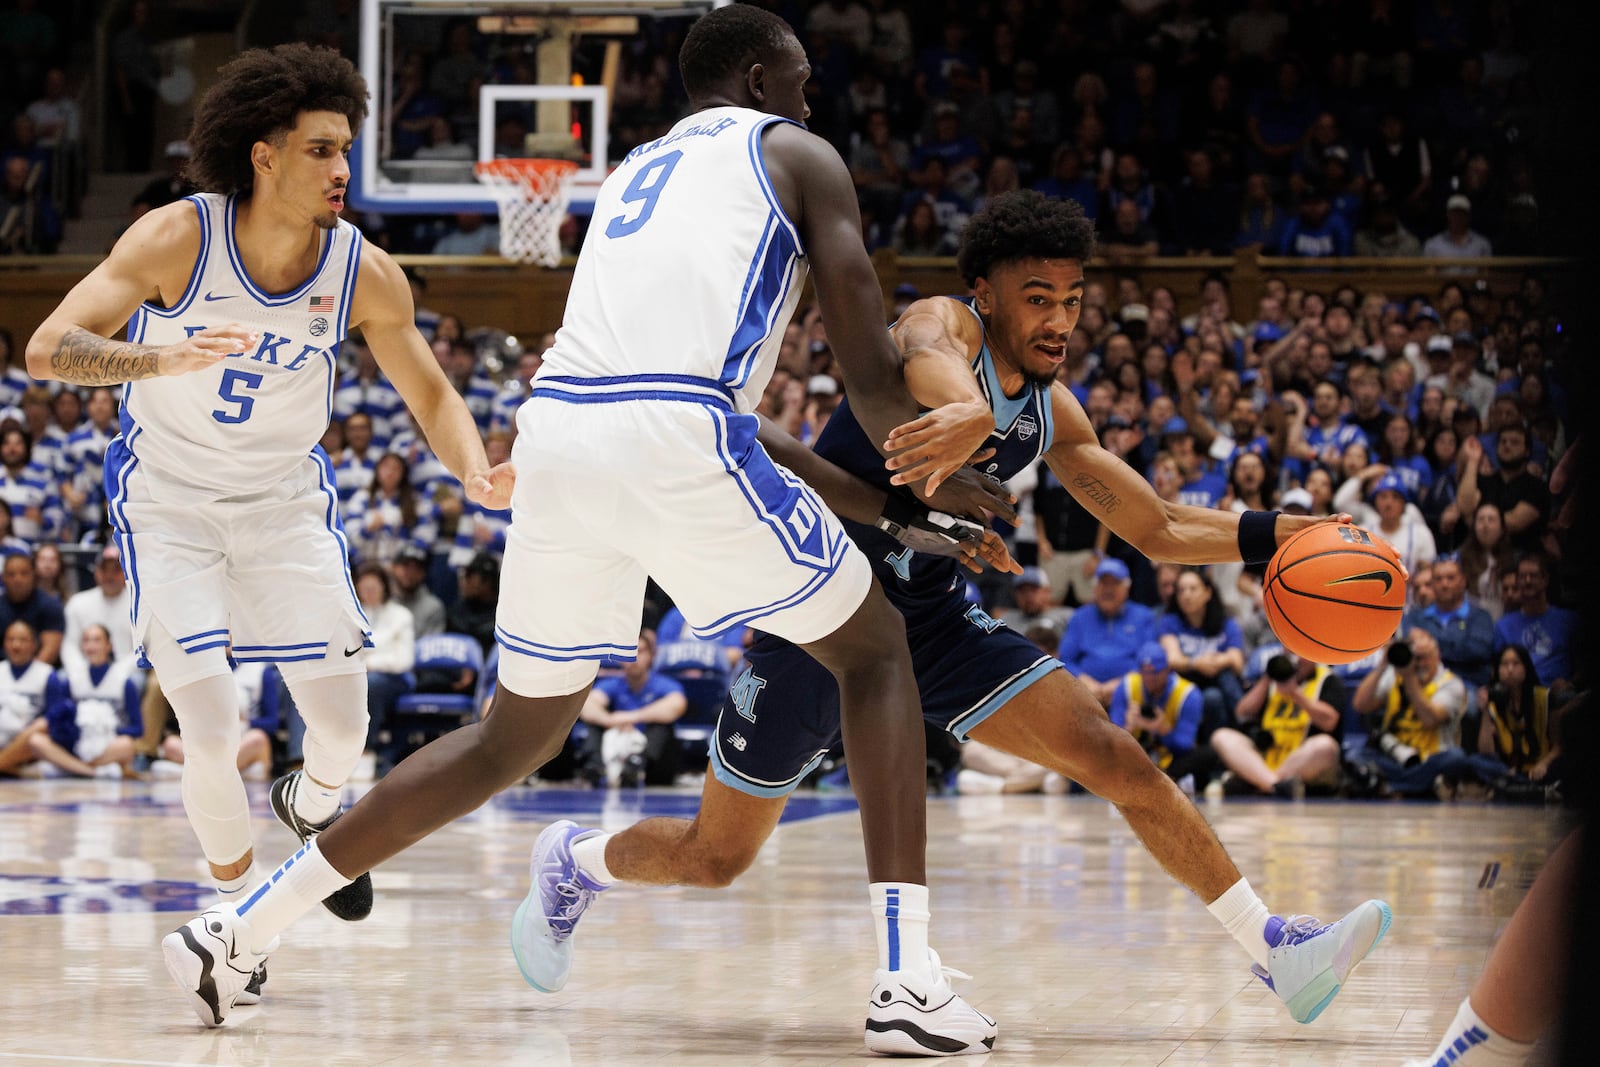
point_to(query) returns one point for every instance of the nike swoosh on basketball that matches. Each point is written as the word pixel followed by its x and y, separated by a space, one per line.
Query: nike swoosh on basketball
pixel 1370 576
pixel 351 651
pixel 214 296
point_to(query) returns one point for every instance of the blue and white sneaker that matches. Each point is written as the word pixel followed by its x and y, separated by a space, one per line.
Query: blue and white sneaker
pixel 1309 961
pixel 210 960
pixel 913 1015
pixel 541 931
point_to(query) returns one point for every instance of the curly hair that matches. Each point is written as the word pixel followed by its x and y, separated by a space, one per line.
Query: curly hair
pixel 1023 224
pixel 728 40
pixel 258 96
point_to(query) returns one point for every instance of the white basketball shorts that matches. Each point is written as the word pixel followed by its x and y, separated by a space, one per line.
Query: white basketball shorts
pixel 620 479
pixel 270 572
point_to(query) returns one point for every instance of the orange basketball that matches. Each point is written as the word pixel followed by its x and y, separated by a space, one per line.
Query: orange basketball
pixel 1333 593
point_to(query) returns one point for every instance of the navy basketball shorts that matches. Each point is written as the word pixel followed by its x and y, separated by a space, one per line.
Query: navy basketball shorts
pixel 781 715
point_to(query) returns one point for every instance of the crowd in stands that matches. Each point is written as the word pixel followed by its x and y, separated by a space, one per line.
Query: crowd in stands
pixel 1329 128
pixel 1442 420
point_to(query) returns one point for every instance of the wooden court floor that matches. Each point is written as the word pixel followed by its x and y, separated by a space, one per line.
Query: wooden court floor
pixel 1082 948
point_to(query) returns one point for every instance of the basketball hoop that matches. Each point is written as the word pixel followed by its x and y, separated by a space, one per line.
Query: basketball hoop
pixel 532 194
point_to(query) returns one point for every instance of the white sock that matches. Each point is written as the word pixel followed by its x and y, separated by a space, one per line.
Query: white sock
pixel 1243 915
pixel 1470 1042
pixel 313 801
pixel 590 856
pixel 297 886
pixel 231 890
pixel 900 917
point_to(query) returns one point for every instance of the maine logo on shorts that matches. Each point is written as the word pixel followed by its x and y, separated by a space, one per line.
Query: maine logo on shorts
pixel 1026 427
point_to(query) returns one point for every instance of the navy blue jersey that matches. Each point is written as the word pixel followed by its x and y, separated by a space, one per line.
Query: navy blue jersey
pixel 1023 433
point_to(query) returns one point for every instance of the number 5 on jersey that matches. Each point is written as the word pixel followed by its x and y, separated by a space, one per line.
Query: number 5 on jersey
pixel 644 189
pixel 235 390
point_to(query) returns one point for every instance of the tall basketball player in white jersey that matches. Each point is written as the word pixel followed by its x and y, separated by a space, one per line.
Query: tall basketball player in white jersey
pixel 637 455
pixel 236 301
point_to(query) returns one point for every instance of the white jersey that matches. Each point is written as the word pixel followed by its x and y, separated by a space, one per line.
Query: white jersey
pixel 694 214
pixel 243 425
pixel 21 696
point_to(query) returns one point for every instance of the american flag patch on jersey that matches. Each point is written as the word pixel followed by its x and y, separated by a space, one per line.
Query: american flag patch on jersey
pixel 322 303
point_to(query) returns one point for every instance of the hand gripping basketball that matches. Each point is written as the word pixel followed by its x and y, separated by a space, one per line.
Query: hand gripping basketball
pixel 924 530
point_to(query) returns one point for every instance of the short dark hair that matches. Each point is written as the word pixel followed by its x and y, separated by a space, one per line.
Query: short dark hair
pixel 258 96
pixel 728 40
pixel 376 570
pixel 1023 224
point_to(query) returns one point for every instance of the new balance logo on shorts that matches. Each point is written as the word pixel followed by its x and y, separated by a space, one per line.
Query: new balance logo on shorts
pixel 737 741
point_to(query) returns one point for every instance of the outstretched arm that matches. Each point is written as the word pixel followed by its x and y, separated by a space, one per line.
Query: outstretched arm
pixel 382 308
pixel 1118 496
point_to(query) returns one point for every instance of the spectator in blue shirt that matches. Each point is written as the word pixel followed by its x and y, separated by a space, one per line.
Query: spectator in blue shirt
pixel 1316 232
pixel 1160 708
pixel 1548 633
pixel 630 716
pixel 1204 645
pixel 1466 634
pixel 26 601
pixel 1103 637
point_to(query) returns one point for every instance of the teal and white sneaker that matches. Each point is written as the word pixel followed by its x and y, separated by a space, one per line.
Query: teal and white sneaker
pixel 541 931
pixel 1308 961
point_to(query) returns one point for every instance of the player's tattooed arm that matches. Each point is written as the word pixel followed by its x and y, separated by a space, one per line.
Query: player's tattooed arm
pixel 1098 491
pixel 85 358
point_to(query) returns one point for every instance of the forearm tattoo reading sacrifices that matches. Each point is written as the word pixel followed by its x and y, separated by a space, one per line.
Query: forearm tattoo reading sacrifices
pixel 84 358
pixel 1099 492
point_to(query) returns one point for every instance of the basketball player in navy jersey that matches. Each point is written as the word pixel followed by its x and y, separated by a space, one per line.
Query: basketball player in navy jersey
pixel 222 503
pixel 1023 255
pixel 637 454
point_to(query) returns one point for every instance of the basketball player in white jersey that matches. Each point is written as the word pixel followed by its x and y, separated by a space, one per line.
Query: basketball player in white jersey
pixel 637 455
pixel 223 505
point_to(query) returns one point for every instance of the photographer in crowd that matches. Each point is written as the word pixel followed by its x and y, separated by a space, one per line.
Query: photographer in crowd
pixel 1288 729
pixel 1417 705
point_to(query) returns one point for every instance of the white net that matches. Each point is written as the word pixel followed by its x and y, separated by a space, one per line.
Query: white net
pixel 532 194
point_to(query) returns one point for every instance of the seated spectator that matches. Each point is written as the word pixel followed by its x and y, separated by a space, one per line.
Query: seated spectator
pixel 1462 380
pixel 1548 633
pixel 92 714
pixel 106 605
pixel 1517 738
pixel 1389 514
pixel 1288 733
pixel 1204 645
pixel 1260 216
pixel 879 163
pixel 1486 555
pixel 1036 604
pixel 1102 640
pixel 1458 238
pixel 1522 496
pixel 1316 232
pixel 1397 450
pixel 29 222
pixel 27 486
pixel 256 686
pixel 471 234
pixel 919 232
pixel 1204 208
pixel 1067 180
pixel 473 614
pixel 1161 710
pixel 50 572
pixel 1127 238
pixel 24 681
pixel 167 189
pixel 391 657
pixel 1416 706
pixel 630 716
pixel 1465 633
pixel 1384 234
pixel 409 568
pixel 389 514
pixel 353 468
pixel 24 600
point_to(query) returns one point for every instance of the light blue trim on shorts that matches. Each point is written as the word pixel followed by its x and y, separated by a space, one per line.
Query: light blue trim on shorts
pixel 732 779
pixel 962 724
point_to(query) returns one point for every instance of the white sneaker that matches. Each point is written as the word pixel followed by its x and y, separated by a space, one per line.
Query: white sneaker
pixel 109 771
pixel 209 957
pixel 1308 961
pixel 1056 784
pixel 975 783
pixel 910 1015
pixel 165 770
